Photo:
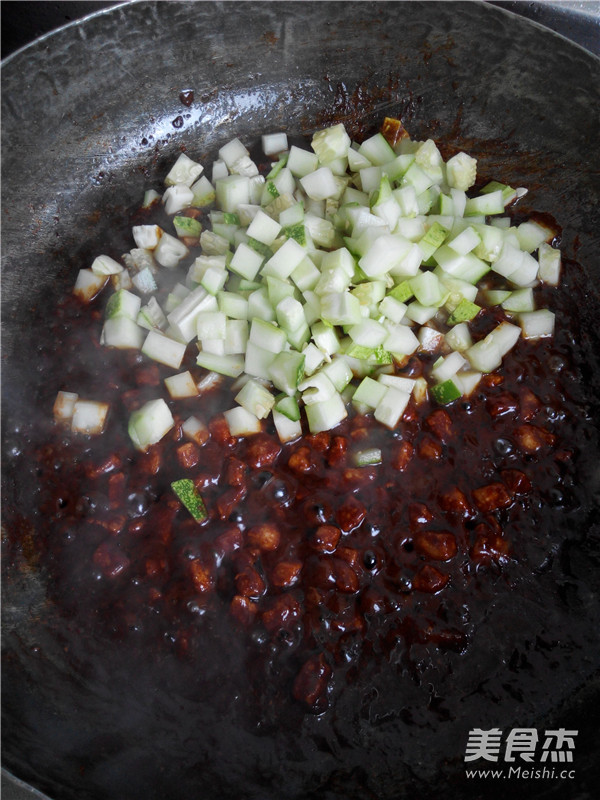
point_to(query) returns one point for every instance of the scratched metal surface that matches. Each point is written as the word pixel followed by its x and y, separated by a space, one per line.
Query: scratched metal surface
pixel 91 116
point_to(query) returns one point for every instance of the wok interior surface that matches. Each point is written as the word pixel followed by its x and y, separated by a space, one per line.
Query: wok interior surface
pixel 92 116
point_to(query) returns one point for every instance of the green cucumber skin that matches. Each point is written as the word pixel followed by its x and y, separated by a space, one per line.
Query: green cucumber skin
pixel 191 498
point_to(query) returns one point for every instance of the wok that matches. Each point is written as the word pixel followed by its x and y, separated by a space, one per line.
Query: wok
pixel 92 116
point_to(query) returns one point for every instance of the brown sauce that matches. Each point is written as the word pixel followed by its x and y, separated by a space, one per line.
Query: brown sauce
pixel 323 582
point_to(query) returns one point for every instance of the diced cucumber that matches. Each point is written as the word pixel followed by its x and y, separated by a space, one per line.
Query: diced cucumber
pixel 446 392
pixel 64 406
pixel 285 260
pixel 368 333
pixel 181 385
pixel 260 306
pixel 537 324
pixel 257 361
pixel 314 357
pixel 331 143
pixel 123 304
pixel 402 292
pixel 287 370
pixel 464 312
pixel 232 365
pixel 232 191
pixel 241 422
pixel 233 305
pixel 446 368
pixel 368 457
pixel 287 430
pixel 519 300
pixel 459 337
pixel 326 415
pixel 549 264
pixel 316 389
pixel 494 297
pixel 184 171
pixel 433 239
pixel 369 393
pixel 288 406
pixel 420 313
pixel 150 423
pixel 508 193
pixel 267 336
pixel 89 417
pixel 338 372
pixel 461 171
pixel 256 399
pixel 177 197
pixel 391 406
pixel 487 204
pixel 163 349
pixel 183 319
pixel 187 226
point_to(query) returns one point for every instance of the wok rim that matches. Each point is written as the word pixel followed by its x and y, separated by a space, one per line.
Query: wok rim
pixel 132 3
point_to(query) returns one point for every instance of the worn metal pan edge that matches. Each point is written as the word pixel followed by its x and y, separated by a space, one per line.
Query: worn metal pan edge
pixel 102 149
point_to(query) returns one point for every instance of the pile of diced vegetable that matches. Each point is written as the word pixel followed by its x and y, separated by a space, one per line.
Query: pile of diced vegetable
pixel 316 282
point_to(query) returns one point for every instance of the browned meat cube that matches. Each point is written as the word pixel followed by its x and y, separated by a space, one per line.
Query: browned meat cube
pixel 109 558
pixel 418 515
pixel 249 583
pixel 440 424
pixel 229 541
pixel 516 481
pixel 286 573
pixel 532 438
pixel 301 461
pixel 219 431
pixel 489 547
pixel 235 472
pixel 325 539
pixel 359 475
pixel 320 442
pixel 502 403
pixel 437 545
pixel 529 404
pixel 310 685
pixel 402 455
pixel 429 448
pixel 337 451
pixel 492 497
pixel 283 612
pixel 346 579
pixel 188 455
pixel 243 609
pixel 116 489
pixel 455 501
pixel 147 375
pixel 262 451
pixel 350 554
pixel 151 461
pixel 229 500
pixel 350 515
pixel 430 580
pixel 265 537
pixel 202 576
pixel 107 465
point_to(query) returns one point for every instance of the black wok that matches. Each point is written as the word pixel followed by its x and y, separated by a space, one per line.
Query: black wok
pixel 91 117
